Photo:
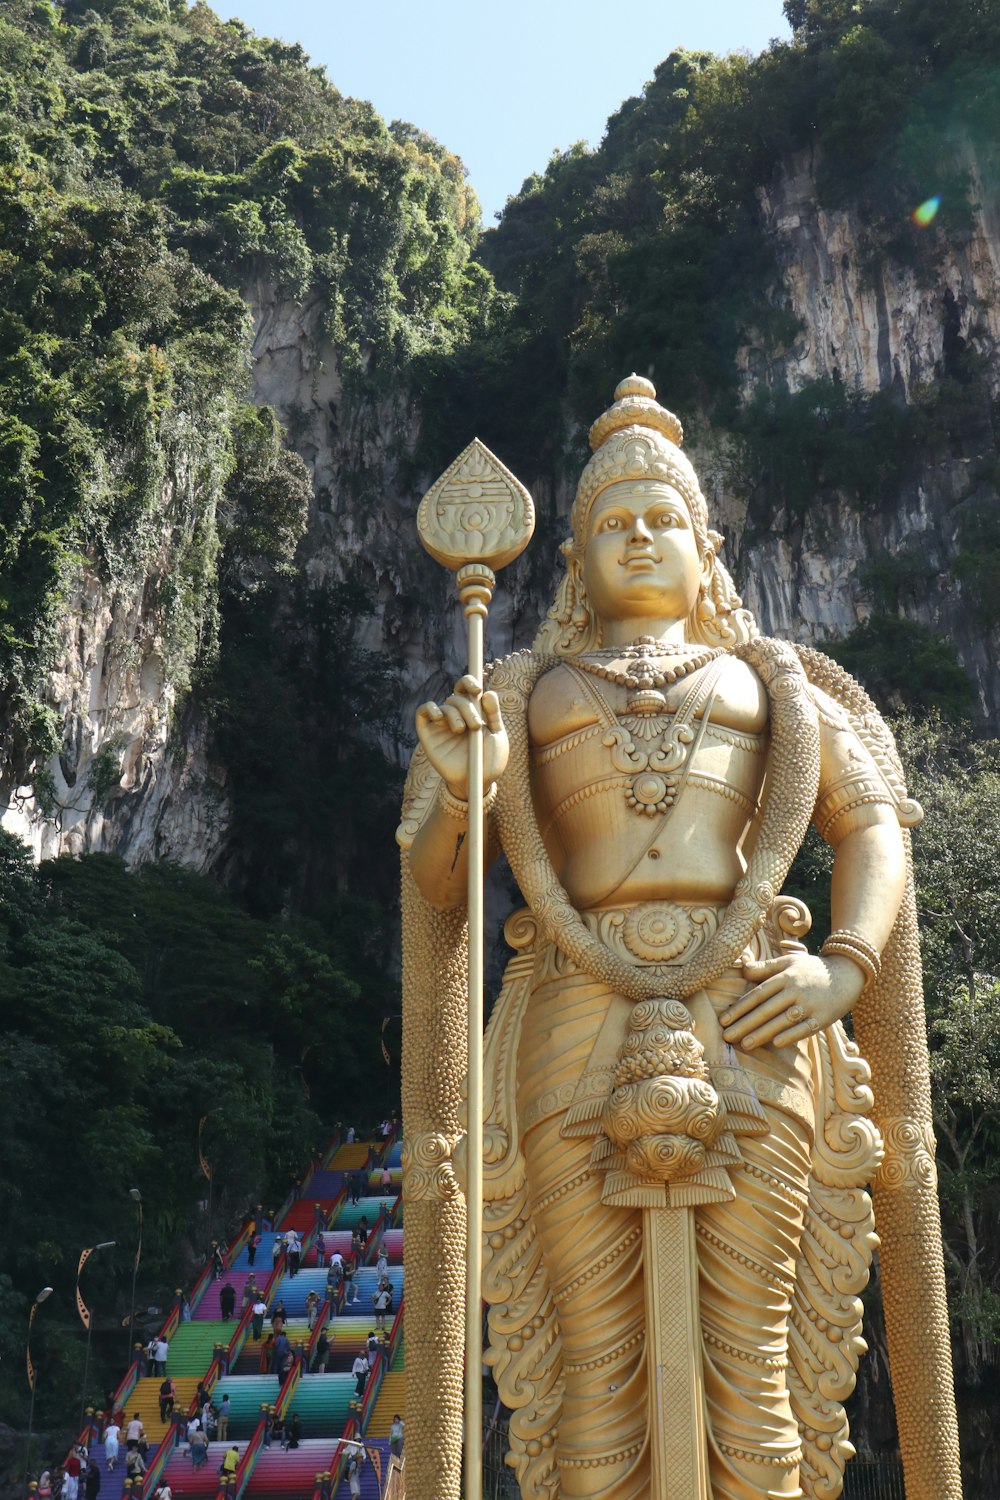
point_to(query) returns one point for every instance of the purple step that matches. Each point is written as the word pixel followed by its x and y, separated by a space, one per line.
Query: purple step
pixel 209 1307
pixel 369 1476
pixel 323 1185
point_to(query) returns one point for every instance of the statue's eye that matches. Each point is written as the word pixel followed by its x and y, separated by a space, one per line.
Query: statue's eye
pixel 612 523
pixel 667 518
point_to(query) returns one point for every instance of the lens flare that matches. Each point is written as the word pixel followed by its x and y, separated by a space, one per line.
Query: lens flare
pixel 924 215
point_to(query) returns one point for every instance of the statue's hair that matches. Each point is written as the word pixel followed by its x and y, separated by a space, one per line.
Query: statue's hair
pixel 638 439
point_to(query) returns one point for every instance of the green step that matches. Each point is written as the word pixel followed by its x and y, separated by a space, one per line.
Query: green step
pixel 247 1394
pixel 351 1213
pixel 193 1346
pixel 323 1404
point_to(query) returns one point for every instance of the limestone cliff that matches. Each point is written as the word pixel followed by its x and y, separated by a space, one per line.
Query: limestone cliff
pixel 134 774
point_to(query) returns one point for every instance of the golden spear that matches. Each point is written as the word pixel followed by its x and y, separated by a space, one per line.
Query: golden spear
pixel 475 519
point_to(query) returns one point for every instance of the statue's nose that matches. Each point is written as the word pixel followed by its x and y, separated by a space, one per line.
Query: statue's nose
pixel 639 531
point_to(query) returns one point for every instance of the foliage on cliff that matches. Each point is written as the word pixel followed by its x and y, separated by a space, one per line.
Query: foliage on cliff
pixel 647 252
pixel 153 160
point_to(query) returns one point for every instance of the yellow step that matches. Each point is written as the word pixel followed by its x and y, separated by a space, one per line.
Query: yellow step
pixel 391 1399
pixel 350 1158
pixel 145 1400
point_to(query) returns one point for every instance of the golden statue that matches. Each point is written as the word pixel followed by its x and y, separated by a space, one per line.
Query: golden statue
pixel 679 1133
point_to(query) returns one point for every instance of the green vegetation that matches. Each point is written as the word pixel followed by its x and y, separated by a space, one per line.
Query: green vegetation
pixel 157 164
pixel 144 1003
pixel 153 161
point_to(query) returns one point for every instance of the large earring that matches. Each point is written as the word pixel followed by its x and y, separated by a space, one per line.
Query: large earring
pixel 705 610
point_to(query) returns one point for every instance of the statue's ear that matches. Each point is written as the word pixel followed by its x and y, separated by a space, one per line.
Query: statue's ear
pixel 717 539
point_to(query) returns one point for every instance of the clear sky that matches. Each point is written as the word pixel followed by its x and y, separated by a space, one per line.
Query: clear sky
pixel 504 84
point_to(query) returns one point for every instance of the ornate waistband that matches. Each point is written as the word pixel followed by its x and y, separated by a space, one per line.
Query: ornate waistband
pixel 655 933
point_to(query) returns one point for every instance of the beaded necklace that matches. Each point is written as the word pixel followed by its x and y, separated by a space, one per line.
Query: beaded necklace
pixel 650 671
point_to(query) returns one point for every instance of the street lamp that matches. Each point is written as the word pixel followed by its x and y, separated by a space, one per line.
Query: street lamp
pixel 136 1197
pixel 42 1296
pixel 206 1166
pixel 86 1316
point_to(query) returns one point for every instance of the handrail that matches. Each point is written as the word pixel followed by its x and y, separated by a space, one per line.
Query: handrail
pixel 322 1319
pixel 201 1286
pixel 330 1152
pixel 239 1337
pixel 335 1206
pixel 239 1242
pixel 288 1389
pixel 378 1229
pixel 372 1387
pixel 245 1467
pixel 351 1434
pixel 277 1272
pixel 396 1332
pixel 148 1482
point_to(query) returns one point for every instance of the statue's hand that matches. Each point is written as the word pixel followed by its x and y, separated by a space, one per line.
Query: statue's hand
pixel 793 997
pixel 442 730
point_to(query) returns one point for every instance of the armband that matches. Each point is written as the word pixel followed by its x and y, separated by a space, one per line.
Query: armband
pixel 847 943
pixel 457 807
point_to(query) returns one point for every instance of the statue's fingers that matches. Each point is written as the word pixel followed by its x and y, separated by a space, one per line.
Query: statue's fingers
pixel 767 1033
pixel 428 713
pixel 490 705
pixel 797 1033
pixel 749 1001
pixel 764 968
pixel 453 719
pixel 469 711
pixel 469 687
pixel 770 1010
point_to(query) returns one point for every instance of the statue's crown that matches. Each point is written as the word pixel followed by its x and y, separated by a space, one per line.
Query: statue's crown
pixel 636 406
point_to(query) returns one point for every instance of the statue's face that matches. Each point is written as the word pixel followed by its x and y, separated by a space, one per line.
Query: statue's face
pixel 641 559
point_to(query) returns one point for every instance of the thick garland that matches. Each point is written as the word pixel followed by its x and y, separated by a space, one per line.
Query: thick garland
pixel 790 795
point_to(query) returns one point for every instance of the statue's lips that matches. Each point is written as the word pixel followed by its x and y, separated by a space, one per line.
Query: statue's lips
pixel 645 562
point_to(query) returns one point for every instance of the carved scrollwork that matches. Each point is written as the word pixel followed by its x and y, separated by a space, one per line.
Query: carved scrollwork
pixel 909 1153
pixel 429 1168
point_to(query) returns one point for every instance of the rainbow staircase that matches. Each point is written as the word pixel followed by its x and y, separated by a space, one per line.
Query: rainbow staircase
pixel 221 1353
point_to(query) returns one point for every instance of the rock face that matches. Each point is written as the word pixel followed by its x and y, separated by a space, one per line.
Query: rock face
pixel 875 325
pixel 132 775
pixel 135 777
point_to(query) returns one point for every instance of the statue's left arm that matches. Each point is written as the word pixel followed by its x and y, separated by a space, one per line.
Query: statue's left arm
pixel 799 994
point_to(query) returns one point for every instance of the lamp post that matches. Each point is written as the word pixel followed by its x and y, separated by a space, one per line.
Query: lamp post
pixel 136 1197
pixel 86 1316
pixel 45 1293
pixel 206 1166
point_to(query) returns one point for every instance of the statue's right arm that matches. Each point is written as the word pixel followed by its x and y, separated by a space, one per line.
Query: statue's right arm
pixel 439 854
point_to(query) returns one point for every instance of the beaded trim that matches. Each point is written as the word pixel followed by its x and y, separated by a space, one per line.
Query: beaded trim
pixel 772 1460
pixel 458 809
pixel 779 1362
pixel 605 1261
pixel 580 1365
pixel 601 1461
pixel 561 1191
pixel 780 1283
pixel 854 945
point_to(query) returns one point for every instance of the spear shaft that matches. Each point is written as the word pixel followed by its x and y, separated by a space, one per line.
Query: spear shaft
pixel 475 589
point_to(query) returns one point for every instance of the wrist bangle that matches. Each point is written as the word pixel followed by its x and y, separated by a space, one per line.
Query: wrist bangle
pixel 457 807
pixel 847 943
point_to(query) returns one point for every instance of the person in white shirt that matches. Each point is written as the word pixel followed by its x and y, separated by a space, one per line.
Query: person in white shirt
pixel 382 1301
pixel 361 1370
pixel 161 1352
pixel 382 1264
pixel 111 1436
pixel 257 1318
